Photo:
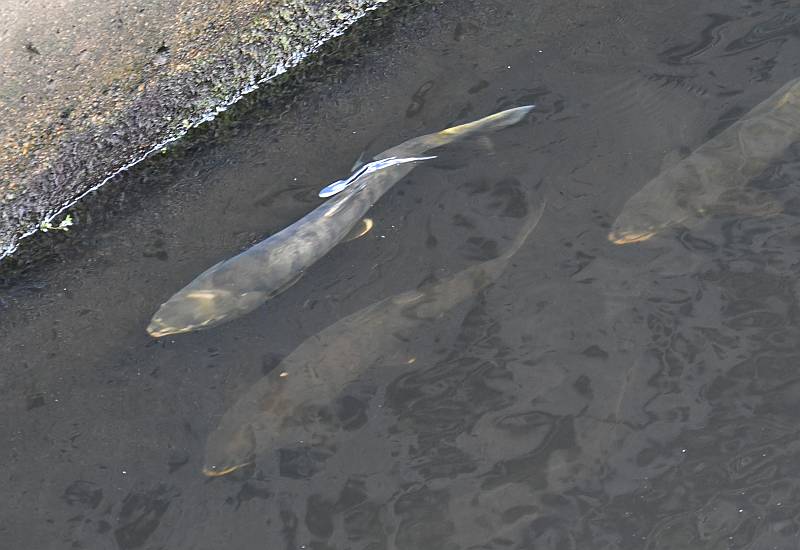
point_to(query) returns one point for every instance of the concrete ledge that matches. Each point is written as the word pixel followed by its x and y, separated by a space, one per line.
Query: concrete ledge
pixel 91 87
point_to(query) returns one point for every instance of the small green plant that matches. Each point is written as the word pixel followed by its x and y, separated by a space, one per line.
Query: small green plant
pixel 65 224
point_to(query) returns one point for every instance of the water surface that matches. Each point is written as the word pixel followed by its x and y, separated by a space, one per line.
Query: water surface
pixel 594 396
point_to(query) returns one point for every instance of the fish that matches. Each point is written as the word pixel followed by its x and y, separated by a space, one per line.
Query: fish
pixel 699 185
pixel 340 185
pixel 316 372
pixel 238 285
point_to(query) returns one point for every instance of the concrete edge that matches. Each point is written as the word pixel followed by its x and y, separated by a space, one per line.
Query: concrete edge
pixel 150 123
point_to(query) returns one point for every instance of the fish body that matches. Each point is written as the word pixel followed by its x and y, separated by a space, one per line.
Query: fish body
pixel 699 184
pixel 316 372
pixel 240 284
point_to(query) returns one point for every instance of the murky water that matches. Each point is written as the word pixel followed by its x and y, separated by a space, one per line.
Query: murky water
pixel 593 396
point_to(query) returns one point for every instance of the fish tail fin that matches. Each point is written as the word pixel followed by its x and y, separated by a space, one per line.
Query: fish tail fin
pixel 442 297
pixel 360 161
pixel 492 269
pixel 527 229
pixel 497 121
pixel 419 145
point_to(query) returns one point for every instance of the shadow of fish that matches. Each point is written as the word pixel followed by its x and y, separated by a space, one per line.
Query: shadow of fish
pixel 698 185
pixel 240 284
pixel 323 365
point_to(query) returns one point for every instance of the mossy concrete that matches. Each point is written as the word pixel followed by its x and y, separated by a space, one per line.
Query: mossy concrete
pixel 89 88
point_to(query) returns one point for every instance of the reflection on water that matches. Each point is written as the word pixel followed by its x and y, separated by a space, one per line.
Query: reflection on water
pixel 570 394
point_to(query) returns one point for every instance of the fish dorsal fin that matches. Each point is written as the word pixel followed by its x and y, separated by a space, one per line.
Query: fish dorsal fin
pixel 360 161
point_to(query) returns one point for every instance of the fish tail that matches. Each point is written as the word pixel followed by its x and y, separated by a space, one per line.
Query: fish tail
pixel 497 121
pixel 526 231
pixel 492 269
pixel 476 277
pixel 419 145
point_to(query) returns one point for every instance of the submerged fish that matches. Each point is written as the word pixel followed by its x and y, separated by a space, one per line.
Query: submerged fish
pixel 316 372
pixel 697 185
pixel 240 284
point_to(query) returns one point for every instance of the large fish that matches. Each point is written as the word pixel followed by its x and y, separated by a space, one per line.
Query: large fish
pixel 697 185
pixel 316 372
pixel 240 284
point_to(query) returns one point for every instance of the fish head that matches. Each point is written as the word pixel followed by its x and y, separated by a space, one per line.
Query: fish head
pixel 644 216
pixel 228 450
pixel 628 234
pixel 197 308
pixel 640 225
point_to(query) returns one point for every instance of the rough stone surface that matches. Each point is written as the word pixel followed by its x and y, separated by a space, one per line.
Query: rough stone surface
pixel 89 87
